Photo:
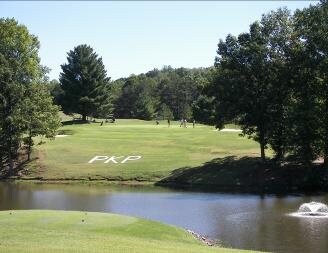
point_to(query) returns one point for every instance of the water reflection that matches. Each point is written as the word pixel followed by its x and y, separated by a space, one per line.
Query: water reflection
pixel 240 221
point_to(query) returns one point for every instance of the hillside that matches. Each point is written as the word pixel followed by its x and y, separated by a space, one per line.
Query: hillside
pixel 143 150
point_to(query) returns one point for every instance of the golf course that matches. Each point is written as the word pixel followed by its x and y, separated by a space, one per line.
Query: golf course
pixel 72 231
pixel 139 152
pixel 156 151
pixel 163 127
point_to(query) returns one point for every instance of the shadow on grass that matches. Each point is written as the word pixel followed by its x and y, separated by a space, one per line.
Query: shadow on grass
pixel 75 122
pixel 65 132
pixel 249 174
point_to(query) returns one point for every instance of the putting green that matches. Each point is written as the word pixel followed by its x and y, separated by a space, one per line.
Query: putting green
pixel 156 151
pixel 72 231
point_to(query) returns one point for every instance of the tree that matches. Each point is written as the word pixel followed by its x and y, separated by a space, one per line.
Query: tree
pixel 277 27
pixel 311 72
pixel 137 98
pixel 165 112
pixel 19 66
pixel 203 110
pixel 204 105
pixel 85 83
pixel 250 88
pixel 20 69
pixel 56 91
pixel 39 114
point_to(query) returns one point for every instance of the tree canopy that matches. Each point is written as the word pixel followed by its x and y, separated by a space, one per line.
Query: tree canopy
pixel 272 81
pixel 167 93
pixel 85 84
pixel 20 73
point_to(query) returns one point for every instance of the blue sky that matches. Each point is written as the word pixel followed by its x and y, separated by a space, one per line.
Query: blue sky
pixel 134 37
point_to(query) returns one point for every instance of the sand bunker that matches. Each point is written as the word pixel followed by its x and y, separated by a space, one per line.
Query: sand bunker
pixel 61 135
pixel 230 130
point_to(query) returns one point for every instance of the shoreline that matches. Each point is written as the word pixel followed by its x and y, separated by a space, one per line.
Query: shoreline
pixel 205 239
pixel 229 174
pixel 120 229
pixel 279 189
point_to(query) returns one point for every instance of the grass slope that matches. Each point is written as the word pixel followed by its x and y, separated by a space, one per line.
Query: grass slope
pixel 71 231
pixel 162 149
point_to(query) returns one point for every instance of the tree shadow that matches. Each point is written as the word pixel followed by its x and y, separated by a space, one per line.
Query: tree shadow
pixel 249 174
pixel 75 122
pixel 65 132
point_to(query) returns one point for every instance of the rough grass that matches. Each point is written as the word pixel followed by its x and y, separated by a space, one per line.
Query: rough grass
pixel 72 231
pixel 163 150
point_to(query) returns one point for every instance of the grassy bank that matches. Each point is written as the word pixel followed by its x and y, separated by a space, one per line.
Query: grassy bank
pixel 162 149
pixel 68 231
pixel 199 158
pixel 250 174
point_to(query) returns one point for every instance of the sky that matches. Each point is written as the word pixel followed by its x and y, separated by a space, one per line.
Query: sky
pixel 134 37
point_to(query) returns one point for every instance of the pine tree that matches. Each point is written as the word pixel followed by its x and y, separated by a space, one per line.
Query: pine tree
pixel 85 83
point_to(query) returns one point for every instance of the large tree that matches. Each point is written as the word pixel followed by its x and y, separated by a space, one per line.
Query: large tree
pixel 19 64
pixel 250 87
pixel 85 83
pixel 311 74
pixel 19 69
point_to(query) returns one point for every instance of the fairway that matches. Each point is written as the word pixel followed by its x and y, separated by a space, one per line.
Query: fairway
pixel 162 149
pixel 71 231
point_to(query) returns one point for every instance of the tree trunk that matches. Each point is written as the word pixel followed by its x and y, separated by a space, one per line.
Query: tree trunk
pixel 262 151
pixel 84 117
pixel 280 143
pixel 29 154
pixel 325 148
pixel 262 145
pixel 325 161
pixel 29 148
pixel 10 163
pixel 280 154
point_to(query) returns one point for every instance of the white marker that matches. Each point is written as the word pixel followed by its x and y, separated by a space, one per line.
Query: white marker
pixel 98 158
pixel 112 159
pixel 131 158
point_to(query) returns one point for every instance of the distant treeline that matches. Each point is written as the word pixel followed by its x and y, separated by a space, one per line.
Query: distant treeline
pixel 163 94
pixel 167 93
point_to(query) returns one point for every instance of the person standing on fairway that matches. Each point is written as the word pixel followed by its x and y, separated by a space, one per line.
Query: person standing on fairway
pixel 168 122
pixel 193 123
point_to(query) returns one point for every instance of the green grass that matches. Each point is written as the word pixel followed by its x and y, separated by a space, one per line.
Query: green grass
pixel 72 231
pixel 163 149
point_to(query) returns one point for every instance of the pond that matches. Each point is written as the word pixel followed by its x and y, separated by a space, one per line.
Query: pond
pixel 238 220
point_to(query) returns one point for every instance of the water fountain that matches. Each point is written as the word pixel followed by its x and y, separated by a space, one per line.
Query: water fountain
pixel 312 209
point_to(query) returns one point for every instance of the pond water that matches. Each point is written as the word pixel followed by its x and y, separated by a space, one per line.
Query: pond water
pixel 238 220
